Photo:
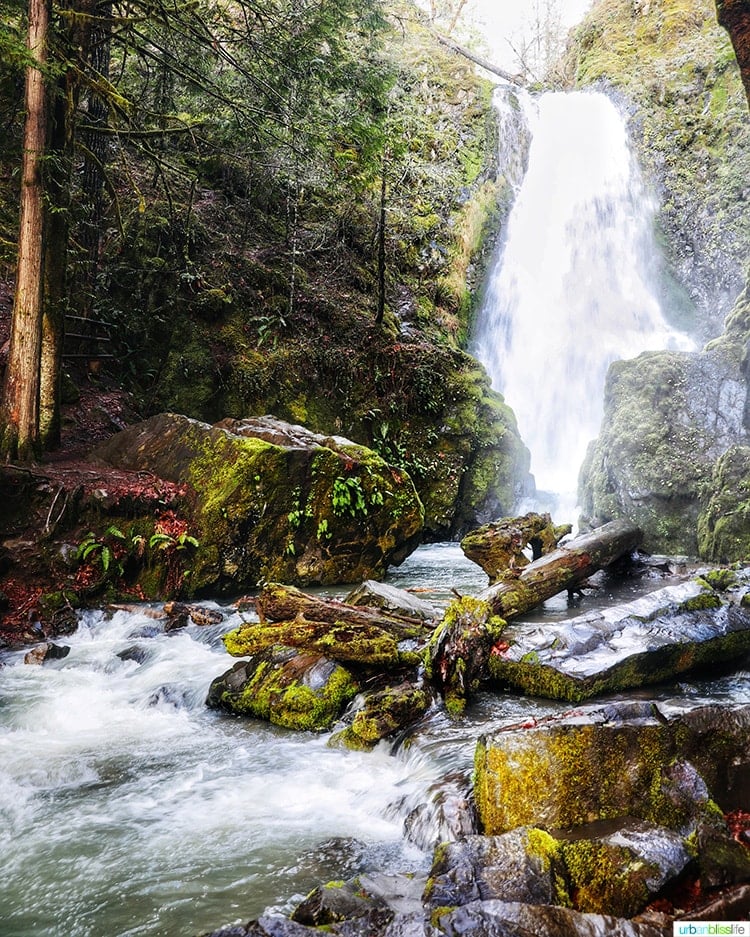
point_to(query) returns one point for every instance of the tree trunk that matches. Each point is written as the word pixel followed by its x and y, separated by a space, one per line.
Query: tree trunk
pixel 20 402
pixel 381 241
pixel 478 60
pixel 563 568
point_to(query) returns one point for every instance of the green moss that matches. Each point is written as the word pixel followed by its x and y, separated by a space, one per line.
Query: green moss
pixel 719 579
pixel 537 777
pixel 706 600
pixel 606 879
pixel 275 694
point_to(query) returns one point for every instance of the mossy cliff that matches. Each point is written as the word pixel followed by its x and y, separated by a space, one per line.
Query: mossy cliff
pixel 668 418
pixel 673 70
pixel 246 326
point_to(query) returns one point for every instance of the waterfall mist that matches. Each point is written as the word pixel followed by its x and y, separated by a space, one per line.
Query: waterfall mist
pixel 574 285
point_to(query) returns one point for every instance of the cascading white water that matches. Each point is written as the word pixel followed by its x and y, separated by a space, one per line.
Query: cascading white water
pixel 128 808
pixel 572 289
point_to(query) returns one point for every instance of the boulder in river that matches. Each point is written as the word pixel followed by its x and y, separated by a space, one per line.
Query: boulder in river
pixel 658 636
pixel 602 868
pixel 273 501
pixel 623 759
pixel 289 689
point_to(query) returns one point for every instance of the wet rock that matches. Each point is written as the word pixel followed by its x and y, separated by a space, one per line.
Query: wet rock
pixel 135 652
pixel 659 636
pixel 384 713
pixel 179 614
pixel 44 652
pixel 541 775
pixel 273 501
pixel 334 902
pixel 515 919
pixel 297 691
pixel 447 814
pixel 619 869
pixel 390 599
pixel 521 865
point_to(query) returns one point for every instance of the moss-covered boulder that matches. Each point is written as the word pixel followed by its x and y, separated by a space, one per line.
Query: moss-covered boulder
pixel 541 775
pixel 285 687
pixel 597 870
pixel 664 634
pixel 383 714
pixel 274 501
pixel 668 417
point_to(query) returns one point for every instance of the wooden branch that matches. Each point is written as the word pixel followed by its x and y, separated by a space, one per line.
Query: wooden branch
pixel 478 60
pixel 563 568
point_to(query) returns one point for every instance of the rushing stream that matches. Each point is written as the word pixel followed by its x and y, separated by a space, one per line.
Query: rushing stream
pixel 574 286
pixel 128 808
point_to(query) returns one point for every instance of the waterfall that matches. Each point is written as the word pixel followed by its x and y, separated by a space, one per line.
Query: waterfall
pixel 574 286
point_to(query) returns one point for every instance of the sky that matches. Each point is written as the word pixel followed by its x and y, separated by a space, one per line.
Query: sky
pixel 502 19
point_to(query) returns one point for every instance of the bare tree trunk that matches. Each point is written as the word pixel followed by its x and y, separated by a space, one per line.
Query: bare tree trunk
pixel 381 241
pixel 20 400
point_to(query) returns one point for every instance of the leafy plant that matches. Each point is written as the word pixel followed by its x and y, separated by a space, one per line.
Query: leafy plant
pixel 100 551
pixel 348 497
pixel 165 541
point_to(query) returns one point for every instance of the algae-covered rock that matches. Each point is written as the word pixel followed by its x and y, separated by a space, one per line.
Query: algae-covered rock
pixel 274 501
pixel 668 417
pixel 620 870
pixel 517 919
pixel 543 774
pixel 661 635
pixel 724 521
pixel 614 868
pixel 384 713
pixel 289 689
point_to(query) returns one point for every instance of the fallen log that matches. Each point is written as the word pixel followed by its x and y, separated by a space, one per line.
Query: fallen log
pixel 286 603
pixel 499 546
pixel 563 568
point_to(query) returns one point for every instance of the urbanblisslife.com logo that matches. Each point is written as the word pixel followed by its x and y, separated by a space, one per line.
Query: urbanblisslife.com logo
pixel 704 928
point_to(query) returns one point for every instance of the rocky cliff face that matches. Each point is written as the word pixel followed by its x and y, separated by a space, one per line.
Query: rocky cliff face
pixel 672 68
pixel 672 444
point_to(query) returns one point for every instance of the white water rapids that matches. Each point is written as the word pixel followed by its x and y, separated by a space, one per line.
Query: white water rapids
pixel 573 286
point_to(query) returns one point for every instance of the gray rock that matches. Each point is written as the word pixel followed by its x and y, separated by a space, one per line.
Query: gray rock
pixel 510 867
pixel 398 601
pixel 513 919
pixel 654 638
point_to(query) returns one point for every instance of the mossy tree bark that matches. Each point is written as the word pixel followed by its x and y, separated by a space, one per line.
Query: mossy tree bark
pixel 20 400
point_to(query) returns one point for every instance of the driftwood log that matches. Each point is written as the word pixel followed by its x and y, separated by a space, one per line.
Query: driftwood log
pixel 499 546
pixel 286 603
pixel 563 568
pixel 458 654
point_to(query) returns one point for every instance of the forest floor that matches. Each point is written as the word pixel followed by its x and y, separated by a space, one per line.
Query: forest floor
pixel 100 410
